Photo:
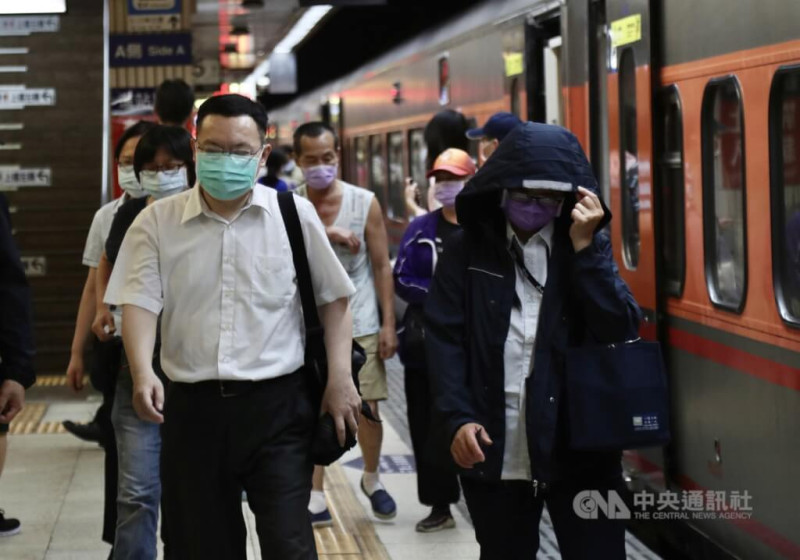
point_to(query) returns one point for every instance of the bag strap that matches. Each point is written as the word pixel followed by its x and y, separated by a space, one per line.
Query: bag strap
pixel 315 334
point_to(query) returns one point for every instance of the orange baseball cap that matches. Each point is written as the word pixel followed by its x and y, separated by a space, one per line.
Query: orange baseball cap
pixel 458 162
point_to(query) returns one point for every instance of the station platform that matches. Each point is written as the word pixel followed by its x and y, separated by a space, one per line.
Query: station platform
pixel 53 484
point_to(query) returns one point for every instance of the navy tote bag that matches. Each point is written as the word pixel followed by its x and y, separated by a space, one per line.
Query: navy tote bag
pixel 617 396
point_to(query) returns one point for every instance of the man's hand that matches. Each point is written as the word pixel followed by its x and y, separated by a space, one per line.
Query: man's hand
pixel 12 399
pixel 103 326
pixel 75 373
pixel 342 401
pixel 585 216
pixel 387 342
pixel 342 236
pixel 466 449
pixel 148 397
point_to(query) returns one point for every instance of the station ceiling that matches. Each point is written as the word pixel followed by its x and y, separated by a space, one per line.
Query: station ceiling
pixel 353 33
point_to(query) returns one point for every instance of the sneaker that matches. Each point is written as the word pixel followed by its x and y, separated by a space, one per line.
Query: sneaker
pixel 383 505
pixel 321 519
pixel 436 521
pixel 86 432
pixel 8 526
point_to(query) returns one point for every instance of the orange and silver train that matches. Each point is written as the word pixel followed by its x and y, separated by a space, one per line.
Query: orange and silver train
pixel 690 112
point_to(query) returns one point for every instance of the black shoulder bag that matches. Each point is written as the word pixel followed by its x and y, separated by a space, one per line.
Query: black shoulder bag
pixel 325 448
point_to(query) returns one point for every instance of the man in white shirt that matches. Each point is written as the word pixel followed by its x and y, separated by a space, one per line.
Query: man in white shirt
pixel 215 261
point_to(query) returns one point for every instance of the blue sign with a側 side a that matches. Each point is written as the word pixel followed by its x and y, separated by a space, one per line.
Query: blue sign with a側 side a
pixel 164 49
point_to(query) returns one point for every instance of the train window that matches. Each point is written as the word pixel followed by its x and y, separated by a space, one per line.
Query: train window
pixel 377 168
pixel 629 159
pixel 397 177
pixel 724 194
pixel 444 80
pixel 669 174
pixel 515 96
pixel 784 128
pixel 417 155
pixel 361 166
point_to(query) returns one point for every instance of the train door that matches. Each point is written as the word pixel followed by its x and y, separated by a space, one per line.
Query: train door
pixel 630 147
pixel 544 68
pixel 626 137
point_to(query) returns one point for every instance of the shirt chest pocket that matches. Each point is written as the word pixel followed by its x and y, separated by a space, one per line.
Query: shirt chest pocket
pixel 272 281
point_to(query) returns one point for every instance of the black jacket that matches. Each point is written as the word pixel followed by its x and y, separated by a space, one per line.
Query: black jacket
pixel 16 340
pixel 469 306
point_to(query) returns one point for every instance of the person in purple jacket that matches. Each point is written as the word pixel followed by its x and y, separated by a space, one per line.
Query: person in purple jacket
pixel 437 483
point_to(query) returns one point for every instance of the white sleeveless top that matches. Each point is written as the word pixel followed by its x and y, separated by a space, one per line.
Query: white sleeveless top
pixel 353 216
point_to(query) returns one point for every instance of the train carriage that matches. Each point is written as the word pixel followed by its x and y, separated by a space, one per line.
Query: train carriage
pixel 690 112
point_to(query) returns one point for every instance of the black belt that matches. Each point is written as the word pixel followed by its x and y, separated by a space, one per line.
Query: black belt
pixel 231 388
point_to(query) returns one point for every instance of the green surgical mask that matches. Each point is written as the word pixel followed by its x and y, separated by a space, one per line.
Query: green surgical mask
pixel 226 176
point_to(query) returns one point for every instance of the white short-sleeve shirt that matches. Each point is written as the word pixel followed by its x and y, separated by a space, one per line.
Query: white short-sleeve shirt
pixel 99 230
pixel 228 289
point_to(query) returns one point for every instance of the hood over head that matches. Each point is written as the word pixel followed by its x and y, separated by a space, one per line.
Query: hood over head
pixel 533 155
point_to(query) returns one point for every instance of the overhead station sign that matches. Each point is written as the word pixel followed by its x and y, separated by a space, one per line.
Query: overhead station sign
pixel 165 49
pixel 18 97
pixel 13 176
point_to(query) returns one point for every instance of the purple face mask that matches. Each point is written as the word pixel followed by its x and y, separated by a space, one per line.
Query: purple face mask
pixel 320 176
pixel 447 191
pixel 530 215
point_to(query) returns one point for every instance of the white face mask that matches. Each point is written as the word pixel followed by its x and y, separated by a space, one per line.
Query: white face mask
pixel 161 184
pixel 128 182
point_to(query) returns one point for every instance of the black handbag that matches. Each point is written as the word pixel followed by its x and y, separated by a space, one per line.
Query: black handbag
pixel 325 448
pixel 412 338
pixel 617 396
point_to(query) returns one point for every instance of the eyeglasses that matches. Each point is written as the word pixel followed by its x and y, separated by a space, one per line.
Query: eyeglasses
pixel 170 170
pixel 546 199
pixel 240 153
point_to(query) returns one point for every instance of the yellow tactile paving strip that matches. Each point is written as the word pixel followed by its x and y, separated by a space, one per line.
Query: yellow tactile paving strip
pixel 352 533
pixel 29 421
pixel 54 381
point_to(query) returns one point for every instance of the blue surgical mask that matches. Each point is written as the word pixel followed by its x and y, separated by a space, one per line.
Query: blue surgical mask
pixel 128 181
pixel 226 176
pixel 161 184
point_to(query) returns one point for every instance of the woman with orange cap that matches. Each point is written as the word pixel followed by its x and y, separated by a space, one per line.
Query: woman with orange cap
pixel 437 484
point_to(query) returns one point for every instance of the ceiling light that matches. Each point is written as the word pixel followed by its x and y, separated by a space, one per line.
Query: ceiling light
pixel 302 28
pixel 263 82
pixel 34 7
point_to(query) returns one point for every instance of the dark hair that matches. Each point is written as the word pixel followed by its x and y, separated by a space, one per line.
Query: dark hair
pixel 447 129
pixel 174 102
pixel 131 132
pixel 233 105
pixel 288 149
pixel 176 140
pixel 275 162
pixel 313 129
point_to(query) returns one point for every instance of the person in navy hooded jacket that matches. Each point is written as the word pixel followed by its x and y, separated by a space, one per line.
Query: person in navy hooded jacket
pixel 529 275
pixel 437 483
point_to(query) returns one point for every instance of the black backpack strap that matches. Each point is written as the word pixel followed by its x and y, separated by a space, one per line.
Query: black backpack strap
pixel 315 335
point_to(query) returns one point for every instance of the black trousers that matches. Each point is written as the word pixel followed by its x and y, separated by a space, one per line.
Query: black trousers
pixel 105 364
pixel 215 445
pixel 506 517
pixel 437 481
